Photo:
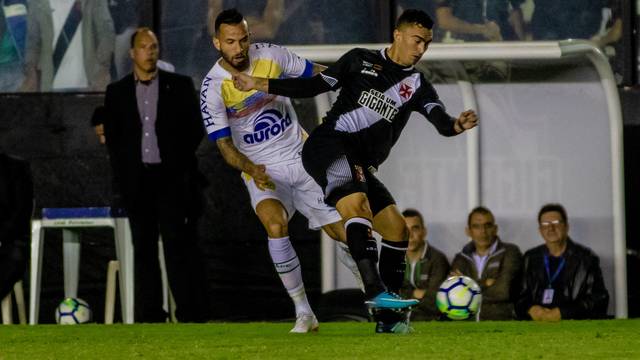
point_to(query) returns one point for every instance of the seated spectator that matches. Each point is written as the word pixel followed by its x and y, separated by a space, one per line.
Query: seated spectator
pixel 495 265
pixel 13 33
pixel 427 268
pixel 476 20
pixel 567 19
pixel 562 279
pixel 69 46
pixel 16 206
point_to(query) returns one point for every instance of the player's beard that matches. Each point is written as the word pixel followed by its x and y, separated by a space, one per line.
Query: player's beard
pixel 240 66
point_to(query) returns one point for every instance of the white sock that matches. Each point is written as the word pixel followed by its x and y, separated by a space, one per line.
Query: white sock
pixel 344 255
pixel 287 265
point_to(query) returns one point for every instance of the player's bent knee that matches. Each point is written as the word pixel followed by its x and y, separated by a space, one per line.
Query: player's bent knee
pixel 276 229
pixel 354 205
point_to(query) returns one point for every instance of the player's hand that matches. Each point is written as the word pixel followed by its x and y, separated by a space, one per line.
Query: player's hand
pixel 552 314
pixel 489 282
pixel 467 120
pixel 261 178
pixel 99 129
pixel 419 293
pixel 492 31
pixel 244 82
pixel 537 312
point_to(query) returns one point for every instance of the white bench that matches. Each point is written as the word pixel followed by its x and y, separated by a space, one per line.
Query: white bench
pixel 71 221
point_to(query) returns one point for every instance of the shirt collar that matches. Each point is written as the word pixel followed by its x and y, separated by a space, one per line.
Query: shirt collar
pixel 492 249
pixel 145 82
pixel 383 53
pixel 424 251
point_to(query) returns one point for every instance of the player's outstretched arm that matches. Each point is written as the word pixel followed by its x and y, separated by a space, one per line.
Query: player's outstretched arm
pixel 293 88
pixel 240 162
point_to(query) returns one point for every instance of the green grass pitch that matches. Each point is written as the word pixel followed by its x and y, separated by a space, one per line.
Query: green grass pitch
pixel 607 339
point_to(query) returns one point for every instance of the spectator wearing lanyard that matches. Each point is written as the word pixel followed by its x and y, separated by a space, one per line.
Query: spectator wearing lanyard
pixel 562 279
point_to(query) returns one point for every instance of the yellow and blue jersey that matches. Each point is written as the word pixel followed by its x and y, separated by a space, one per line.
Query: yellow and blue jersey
pixel 263 127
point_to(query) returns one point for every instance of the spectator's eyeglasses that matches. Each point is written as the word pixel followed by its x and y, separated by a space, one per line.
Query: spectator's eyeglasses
pixel 548 224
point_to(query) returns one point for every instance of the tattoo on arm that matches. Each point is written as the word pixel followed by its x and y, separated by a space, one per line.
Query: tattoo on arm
pixel 232 156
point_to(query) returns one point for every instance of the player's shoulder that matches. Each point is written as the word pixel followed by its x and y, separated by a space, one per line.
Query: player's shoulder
pixel 266 50
pixel 362 53
pixel 426 88
pixel 215 75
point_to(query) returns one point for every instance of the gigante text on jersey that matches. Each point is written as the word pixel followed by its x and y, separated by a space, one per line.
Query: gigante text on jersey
pixel 378 102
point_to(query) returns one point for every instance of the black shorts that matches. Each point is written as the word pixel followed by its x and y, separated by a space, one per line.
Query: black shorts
pixel 327 158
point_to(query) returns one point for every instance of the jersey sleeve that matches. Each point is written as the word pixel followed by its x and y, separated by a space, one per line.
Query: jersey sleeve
pixel 335 74
pixel 293 66
pixel 430 105
pixel 214 113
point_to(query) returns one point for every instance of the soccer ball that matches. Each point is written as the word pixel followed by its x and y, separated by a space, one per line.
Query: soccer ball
pixel 459 298
pixel 73 311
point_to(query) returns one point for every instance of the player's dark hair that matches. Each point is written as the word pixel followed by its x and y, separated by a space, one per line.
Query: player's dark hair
pixel 415 16
pixel 479 210
pixel 553 207
pixel 413 213
pixel 138 31
pixel 229 17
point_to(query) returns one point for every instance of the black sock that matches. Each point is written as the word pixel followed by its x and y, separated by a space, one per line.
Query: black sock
pixel 364 251
pixel 393 263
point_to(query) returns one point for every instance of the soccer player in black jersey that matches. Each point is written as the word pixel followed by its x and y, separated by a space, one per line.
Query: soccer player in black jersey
pixel 379 90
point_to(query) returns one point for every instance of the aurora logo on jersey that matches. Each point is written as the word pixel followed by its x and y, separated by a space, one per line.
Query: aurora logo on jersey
pixel 378 102
pixel 268 124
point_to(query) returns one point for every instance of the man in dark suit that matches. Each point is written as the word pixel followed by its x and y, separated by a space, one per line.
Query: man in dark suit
pixel 16 206
pixel 152 128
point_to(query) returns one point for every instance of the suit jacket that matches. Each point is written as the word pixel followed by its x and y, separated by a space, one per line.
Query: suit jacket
pixel 16 203
pixel 505 267
pixel 178 127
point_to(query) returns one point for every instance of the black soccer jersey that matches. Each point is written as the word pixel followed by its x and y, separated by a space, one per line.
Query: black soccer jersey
pixel 376 98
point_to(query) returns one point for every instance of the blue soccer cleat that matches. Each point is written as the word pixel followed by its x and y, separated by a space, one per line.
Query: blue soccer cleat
pixel 389 300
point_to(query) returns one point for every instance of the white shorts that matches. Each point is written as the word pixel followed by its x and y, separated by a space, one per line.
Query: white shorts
pixel 296 190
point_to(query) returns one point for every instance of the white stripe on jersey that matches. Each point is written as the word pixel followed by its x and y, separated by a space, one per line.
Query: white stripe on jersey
pixel 329 80
pixel 428 107
pixel 385 105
